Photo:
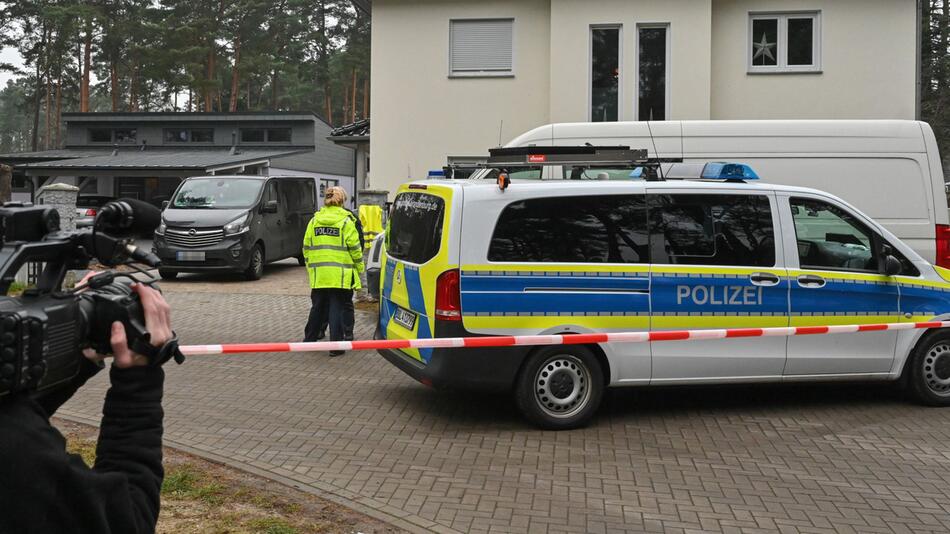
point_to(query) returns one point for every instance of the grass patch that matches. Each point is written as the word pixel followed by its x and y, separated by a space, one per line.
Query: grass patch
pixel 189 483
pixel 200 497
pixel 271 525
pixel 85 448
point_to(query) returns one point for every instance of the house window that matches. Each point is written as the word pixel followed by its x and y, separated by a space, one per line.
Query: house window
pixel 481 47
pixel 653 69
pixel 202 135
pixel 604 74
pixel 785 42
pixel 278 135
pixel 252 135
pixel 186 135
pixel 124 135
pixel 100 135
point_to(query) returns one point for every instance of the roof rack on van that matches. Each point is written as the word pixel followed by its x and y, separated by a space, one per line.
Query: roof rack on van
pixel 585 156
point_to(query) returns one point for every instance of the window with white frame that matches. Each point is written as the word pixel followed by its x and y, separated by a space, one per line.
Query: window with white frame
pixel 481 47
pixel 784 42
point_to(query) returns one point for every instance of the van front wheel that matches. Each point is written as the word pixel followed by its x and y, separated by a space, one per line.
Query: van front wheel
pixel 560 388
pixel 255 266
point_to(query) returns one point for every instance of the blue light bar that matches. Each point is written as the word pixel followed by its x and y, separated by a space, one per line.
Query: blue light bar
pixel 436 175
pixel 728 171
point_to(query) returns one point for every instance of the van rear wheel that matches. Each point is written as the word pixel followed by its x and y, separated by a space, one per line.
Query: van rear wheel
pixel 560 388
pixel 929 371
pixel 255 266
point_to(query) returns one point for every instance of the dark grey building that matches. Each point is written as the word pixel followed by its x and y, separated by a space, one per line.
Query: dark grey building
pixel 145 155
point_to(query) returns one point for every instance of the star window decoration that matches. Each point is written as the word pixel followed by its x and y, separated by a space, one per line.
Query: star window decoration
pixel 763 49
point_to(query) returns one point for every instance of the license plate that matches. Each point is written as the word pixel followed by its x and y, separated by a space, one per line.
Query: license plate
pixel 190 256
pixel 405 318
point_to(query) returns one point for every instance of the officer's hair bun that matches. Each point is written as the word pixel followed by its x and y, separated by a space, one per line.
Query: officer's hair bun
pixel 334 196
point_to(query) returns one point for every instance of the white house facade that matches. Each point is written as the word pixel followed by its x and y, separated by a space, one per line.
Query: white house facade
pixel 452 78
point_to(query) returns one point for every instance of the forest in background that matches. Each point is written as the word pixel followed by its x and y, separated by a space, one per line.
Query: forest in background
pixel 179 55
pixel 240 55
pixel 935 72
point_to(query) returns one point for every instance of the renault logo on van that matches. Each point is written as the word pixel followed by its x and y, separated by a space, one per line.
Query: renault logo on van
pixel 398 277
pixel 192 231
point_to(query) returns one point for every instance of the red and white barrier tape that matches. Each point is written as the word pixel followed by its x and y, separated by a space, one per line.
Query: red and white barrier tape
pixel 558 339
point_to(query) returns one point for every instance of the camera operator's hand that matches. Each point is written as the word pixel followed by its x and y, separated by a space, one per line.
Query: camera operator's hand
pixel 157 321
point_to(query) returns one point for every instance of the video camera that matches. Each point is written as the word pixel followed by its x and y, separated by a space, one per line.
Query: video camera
pixel 43 332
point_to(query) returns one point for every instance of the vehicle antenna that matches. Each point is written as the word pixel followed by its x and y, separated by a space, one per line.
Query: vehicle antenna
pixel 501 126
pixel 659 166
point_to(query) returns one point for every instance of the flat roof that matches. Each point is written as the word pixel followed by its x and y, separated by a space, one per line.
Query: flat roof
pixel 158 159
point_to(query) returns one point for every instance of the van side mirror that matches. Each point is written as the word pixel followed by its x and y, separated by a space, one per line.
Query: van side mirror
pixel 164 204
pixel 269 207
pixel 892 265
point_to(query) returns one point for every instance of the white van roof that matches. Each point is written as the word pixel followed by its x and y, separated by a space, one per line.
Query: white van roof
pixel 593 186
pixel 699 138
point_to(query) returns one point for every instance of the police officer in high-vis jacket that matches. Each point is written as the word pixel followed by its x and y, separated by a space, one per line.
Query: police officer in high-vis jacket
pixel 334 260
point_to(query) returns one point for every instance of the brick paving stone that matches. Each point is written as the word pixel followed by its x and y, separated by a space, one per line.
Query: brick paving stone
pixel 831 458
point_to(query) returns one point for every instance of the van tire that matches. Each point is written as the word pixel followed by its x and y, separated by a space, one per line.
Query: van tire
pixel 255 264
pixel 301 261
pixel 167 275
pixel 928 379
pixel 560 387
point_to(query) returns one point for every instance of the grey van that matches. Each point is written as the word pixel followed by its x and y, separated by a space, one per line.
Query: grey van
pixel 234 224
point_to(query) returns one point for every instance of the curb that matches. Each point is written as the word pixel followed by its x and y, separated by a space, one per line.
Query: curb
pixel 364 505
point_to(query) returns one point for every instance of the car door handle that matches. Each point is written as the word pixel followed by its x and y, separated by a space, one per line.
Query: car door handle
pixel 764 279
pixel 810 280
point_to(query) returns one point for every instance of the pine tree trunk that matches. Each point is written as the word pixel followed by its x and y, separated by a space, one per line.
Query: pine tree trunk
pixel 49 122
pixel 366 97
pixel 328 103
pixel 114 84
pixel 36 109
pixel 353 99
pixel 209 102
pixel 59 109
pixel 132 87
pixel 273 92
pixel 235 76
pixel 86 60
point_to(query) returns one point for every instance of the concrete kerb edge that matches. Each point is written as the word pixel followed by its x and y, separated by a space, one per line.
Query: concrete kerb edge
pixel 408 522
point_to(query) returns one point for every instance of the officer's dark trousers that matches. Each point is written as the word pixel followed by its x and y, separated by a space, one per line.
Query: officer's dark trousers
pixel 333 308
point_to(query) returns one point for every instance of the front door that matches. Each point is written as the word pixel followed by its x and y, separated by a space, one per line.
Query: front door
pixel 716 265
pixel 838 281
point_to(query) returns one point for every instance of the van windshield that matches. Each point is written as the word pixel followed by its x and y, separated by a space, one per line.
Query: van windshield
pixel 217 193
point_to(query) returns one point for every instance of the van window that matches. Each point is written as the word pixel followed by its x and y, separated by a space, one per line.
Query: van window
pixel 297 195
pixel 589 229
pixel 712 230
pixel 415 229
pixel 831 238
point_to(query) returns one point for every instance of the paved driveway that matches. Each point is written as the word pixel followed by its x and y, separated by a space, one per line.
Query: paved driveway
pixel 817 459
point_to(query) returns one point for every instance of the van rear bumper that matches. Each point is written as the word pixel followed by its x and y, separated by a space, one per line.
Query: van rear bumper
pixel 473 369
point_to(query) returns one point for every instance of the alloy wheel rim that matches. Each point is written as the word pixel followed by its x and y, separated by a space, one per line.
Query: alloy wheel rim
pixel 562 386
pixel 936 369
pixel 258 261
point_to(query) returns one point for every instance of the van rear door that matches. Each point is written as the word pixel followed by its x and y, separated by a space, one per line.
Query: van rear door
pixel 419 249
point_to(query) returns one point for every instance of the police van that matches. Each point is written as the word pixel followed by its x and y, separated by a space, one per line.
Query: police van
pixel 524 256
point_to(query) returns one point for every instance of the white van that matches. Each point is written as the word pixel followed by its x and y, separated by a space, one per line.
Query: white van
pixel 889 169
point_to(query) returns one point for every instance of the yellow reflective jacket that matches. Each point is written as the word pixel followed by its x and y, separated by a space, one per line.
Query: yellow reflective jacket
pixel 331 248
pixel 371 218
